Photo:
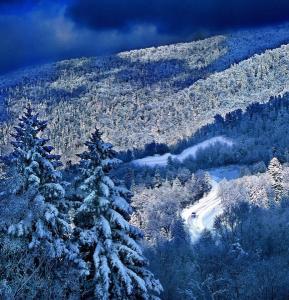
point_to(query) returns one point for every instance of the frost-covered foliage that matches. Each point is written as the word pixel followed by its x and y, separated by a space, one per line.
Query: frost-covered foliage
pixel 160 94
pixel 198 54
pixel 244 257
pixel 173 256
pixel 121 92
pixel 276 178
pixel 260 190
pixel 42 232
pixel 257 134
pixel 109 243
pixel 40 183
pixel 247 259
pixel 253 189
pixel 247 256
pixel 158 208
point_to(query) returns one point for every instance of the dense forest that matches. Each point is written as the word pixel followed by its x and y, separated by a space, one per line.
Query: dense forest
pixel 159 173
pixel 157 94
pixel 100 218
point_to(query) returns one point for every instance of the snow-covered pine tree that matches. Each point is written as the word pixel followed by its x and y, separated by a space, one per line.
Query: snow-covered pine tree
pixel 207 183
pixel 170 163
pixel 157 179
pixel 276 175
pixel 44 226
pixel 109 242
pixel 129 178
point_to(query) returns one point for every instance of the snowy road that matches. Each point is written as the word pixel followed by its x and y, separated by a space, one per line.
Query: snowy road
pixel 161 160
pixel 208 207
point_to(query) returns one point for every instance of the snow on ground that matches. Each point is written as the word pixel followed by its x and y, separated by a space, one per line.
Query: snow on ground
pixel 161 160
pixel 208 207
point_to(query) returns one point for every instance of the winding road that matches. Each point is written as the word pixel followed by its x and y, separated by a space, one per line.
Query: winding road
pixel 210 206
pixel 201 215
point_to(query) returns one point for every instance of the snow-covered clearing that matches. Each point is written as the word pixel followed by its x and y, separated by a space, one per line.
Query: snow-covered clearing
pixel 161 160
pixel 208 207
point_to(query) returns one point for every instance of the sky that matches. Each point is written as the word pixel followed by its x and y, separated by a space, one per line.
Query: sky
pixel 40 31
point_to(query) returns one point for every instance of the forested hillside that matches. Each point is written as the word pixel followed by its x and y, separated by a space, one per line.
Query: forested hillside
pixel 193 204
pixel 162 94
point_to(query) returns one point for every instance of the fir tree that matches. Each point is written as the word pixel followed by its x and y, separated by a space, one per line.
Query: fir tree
pixel 170 163
pixel 109 242
pixel 207 185
pixel 157 179
pixel 44 226
pixel 129 178
pixel 276 175
pixel 179 233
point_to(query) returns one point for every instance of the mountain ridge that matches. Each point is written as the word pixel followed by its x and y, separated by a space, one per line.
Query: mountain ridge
pixel 161 93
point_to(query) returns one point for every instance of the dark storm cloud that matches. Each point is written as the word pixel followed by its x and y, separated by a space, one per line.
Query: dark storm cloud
pixel 37 31
pixel 42 33
pixel 178 15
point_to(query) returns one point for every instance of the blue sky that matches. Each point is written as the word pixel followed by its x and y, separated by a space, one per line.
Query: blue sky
pixel 39 31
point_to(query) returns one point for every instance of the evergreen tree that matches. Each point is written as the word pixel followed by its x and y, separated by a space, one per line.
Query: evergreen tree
pixel 157 179
pixel 44 227
pixel 170 163
pixel 109 242
pixel 207 185
pixel 276 175
pixel 179 234
pixel 129 178
pixel 184 175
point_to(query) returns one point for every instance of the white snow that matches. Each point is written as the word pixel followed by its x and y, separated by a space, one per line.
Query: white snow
pixel 208 207
pixel 161 160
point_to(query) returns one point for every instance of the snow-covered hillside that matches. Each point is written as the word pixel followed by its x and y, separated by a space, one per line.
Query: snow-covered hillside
pixel 162 94
pixel 162 160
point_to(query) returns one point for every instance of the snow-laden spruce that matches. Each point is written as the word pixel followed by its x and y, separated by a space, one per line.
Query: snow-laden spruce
pixel 109 242
pixel 276 177
pixel 45 226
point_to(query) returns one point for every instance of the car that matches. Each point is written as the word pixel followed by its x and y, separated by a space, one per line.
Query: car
pixel 193 215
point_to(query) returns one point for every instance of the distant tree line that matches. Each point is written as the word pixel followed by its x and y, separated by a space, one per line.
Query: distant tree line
pixel 257 132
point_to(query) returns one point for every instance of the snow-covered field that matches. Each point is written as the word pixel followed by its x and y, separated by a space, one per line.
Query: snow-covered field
pixel 208 207
pixel 161 160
